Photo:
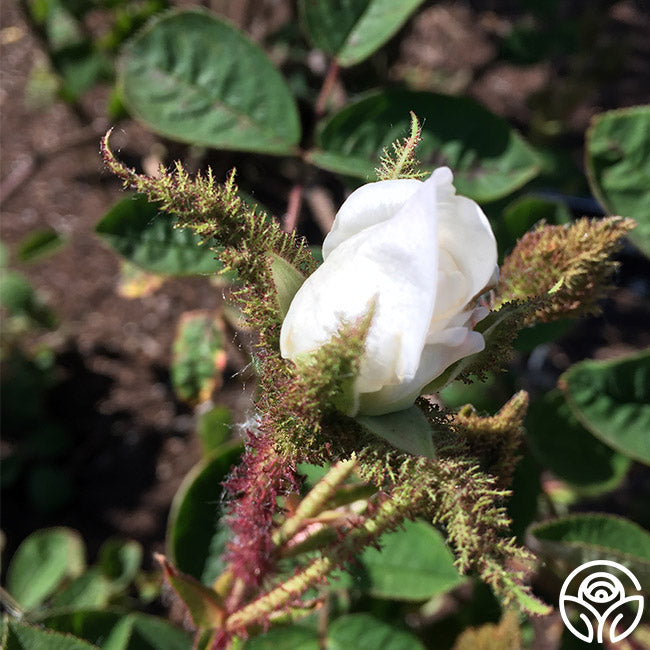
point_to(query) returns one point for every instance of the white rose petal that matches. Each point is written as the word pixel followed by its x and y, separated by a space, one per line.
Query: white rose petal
pixel 421 255
pixel 368 205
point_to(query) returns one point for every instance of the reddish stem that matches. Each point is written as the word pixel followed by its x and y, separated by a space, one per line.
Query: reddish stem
pixel 290 220
pixel 254 486
pixel 326 89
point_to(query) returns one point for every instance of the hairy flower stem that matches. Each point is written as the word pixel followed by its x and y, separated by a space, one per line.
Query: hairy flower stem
pixel 276 599
pixel 245 238
pixel 388 515
pixel 316 500
pixel 254 487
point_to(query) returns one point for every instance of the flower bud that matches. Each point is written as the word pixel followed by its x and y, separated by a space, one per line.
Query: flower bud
pixel 419 256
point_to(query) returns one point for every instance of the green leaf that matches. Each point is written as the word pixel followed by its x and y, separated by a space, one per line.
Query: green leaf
pixel 19 298
pixel 312 473
pixel 149 632
pixel 214 428
pixel 195 537
pixel 356 165
pixel 351 31
pixel 135 282
pixel 358 631
pixel 42 562
pixel 39 244
pixel 198 357
pixel 4 256
pixel 21 636
pixel 408 430
pixel 618 166
pixel 365 632
pixel 580 538
pixel 488 158
pixel 60 26
pixel 565 447
pixel 295 637
pixel 81 66
pixel 120 562
pixel 412 564
pixel 115 630
pixel 612 400
pixel 192 77
pixel 16 293
pixel 138 231
pixel 105 628
pixel 90 590
pixel 287 280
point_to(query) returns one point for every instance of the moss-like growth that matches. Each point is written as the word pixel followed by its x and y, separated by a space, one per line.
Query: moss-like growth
pixel 569 265
pixel 216 213
pixel 400 160
pixel 495 440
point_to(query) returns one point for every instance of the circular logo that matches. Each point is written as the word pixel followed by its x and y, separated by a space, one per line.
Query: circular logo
pixel 601 600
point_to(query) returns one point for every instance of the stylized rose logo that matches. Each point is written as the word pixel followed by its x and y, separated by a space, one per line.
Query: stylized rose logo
pixel 601 599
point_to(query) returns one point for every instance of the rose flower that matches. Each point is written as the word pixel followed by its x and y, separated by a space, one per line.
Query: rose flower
pixel 419 256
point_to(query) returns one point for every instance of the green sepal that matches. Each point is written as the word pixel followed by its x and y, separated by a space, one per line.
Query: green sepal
pixel 408 430
pixel 204 604
pixel 287 280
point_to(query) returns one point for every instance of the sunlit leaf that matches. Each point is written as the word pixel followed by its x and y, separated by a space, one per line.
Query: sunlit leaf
pixel 198 356
pixel 195 537
pixel 120 561
pixel 488 158
pixel 89 590
pixel 618 166
pixel 584 537
pixel 42 562
pixel 135 282
pixel 287 280
pixel 413 563
pixel 115 630
pixel 358 631
pixel 365 632
pixel 571 452
pixel 352 31
pixel 193 77
pixel 38 244
pixel 21 636
pixel 294 637
pixel 612 400
pixel 206 609
pixel 142 234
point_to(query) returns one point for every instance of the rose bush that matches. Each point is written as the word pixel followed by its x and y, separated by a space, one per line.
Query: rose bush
pixel 420 256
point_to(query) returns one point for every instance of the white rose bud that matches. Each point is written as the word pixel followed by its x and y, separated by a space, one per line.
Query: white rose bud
pixel 422 256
